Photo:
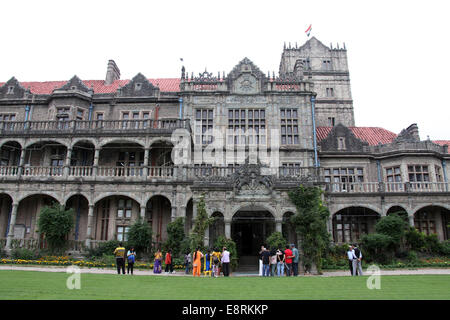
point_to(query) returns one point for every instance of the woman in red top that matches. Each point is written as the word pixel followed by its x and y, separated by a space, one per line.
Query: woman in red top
pixel 168 261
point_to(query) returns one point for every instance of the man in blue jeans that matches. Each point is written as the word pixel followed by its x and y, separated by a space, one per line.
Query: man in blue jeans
pixel 295 260
pixel 265 256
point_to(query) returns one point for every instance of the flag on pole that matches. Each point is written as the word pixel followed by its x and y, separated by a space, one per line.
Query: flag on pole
pixel 308 31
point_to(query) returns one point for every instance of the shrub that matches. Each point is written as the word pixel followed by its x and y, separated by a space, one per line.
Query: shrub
pixel 375 246
pixel 175 236
pixel 55 223
pixel 276 241
pixel 24 254
pixel 446 248
pixel 432 244
pixel 221 242
pixel 140 237
pixel 107 248
pixel 412 257
pixel 415 240
pixel 393 226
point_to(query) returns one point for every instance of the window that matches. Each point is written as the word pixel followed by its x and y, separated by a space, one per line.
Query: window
pixel 438 172
pixel 137 86
pixel 393 174
pixel 331 121
pixel 7 116
pixel 63 116
pixel 418 174
pixel 344 179
pixel 127 163
pixel 122 233
pixel 10 90
pixel 326 64
pixel 423 222
pixel 290 169
pixel 289 126
pixel 349 228
pixel 80 114
pixel 341 143
pixel 104 219
pixel 100 116
pixel 204 126
pixel 330 92
pixel 124 208
pixel 246 126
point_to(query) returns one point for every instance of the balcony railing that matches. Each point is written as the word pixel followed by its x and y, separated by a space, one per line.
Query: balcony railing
pixel 388 187
pixel 92 127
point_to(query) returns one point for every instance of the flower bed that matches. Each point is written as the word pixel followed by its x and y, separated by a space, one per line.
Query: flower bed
pixel 65 261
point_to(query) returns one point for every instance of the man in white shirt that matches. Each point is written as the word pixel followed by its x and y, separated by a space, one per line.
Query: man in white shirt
pixel 357 268
pixel 351 260
pixel 226 262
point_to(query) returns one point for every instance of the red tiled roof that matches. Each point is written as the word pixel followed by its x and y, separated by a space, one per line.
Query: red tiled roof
pixel 371 135
pixel 46 87
pixel 443 142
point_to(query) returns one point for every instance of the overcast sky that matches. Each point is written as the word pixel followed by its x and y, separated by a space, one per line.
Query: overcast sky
pixel 398 51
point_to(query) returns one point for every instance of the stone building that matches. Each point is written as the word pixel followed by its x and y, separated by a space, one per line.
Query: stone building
pixel 118 149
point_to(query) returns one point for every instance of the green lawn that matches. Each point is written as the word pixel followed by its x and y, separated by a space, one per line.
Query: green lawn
pixel 33 285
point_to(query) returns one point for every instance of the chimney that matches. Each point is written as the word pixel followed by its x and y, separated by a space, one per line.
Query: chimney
pixel 112 72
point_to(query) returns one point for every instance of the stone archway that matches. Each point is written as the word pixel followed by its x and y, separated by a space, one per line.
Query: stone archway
pixel 217 228
pixel 433 220
pixel 350 223
pixel 5 212
pixel 250 228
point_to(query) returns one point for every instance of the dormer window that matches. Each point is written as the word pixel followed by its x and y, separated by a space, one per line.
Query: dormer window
pixel 341 143
pixel 10 90
pixel 137 86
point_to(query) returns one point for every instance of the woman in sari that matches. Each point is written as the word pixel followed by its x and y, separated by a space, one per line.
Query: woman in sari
pixel 197 264
pixel 158 257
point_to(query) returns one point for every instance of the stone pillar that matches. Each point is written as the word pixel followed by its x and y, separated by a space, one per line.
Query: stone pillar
pixel 206 238
pixel 411 220
pixel 173 214
pixel 67 163
pixel 143 210
pixel 278 225
pixel 12 222
pixel 146 165
pixel 96 157
pixel 89 225
pixel 21 161
pixel 227 228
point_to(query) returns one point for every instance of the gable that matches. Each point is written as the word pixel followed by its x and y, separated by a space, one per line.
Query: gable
pixel 139 86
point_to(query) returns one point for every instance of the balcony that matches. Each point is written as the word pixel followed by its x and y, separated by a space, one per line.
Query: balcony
pixel 388 187
pixel 94 127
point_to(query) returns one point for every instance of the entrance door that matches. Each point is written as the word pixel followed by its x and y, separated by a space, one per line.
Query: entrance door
pixel 249 230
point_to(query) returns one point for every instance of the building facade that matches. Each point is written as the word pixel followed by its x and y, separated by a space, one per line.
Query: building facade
pixel 115 150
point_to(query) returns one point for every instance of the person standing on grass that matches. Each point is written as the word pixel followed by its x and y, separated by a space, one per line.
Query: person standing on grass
pixel 187 262
pixel 288 260
pixel 168 262
pixel 197 263
pixel 358 268
pixel 273 262
pixel 265 257
pixel 226 262
pixel 131 255
pixel 351 256
pixel 215 263
pixel 260 260
pixel 208 264
pixel 158 257
pixel 280 262
pixel 295 260
pixel 119 253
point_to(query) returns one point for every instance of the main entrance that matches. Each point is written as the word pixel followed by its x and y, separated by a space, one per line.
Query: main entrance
pixel 249 230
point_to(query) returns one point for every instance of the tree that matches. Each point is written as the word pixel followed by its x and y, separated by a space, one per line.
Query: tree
pixel 201 223
pixel 310 222
pixel 393 226
pixel 140 236
pixel 221 242
pixel 276 241
pixel 175 236
pixel 55 223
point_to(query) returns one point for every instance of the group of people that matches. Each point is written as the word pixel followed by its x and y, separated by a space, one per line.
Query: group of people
pixel 284 261
pixel 354 256
pixel 119 253
pixel 214 262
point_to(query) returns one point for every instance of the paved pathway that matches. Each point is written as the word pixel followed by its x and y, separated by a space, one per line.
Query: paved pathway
pixel 180 273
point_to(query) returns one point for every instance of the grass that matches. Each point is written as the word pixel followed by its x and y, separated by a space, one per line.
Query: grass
pixel 32 285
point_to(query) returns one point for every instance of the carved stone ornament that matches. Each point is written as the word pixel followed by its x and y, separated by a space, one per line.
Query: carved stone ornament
pixel 247 180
